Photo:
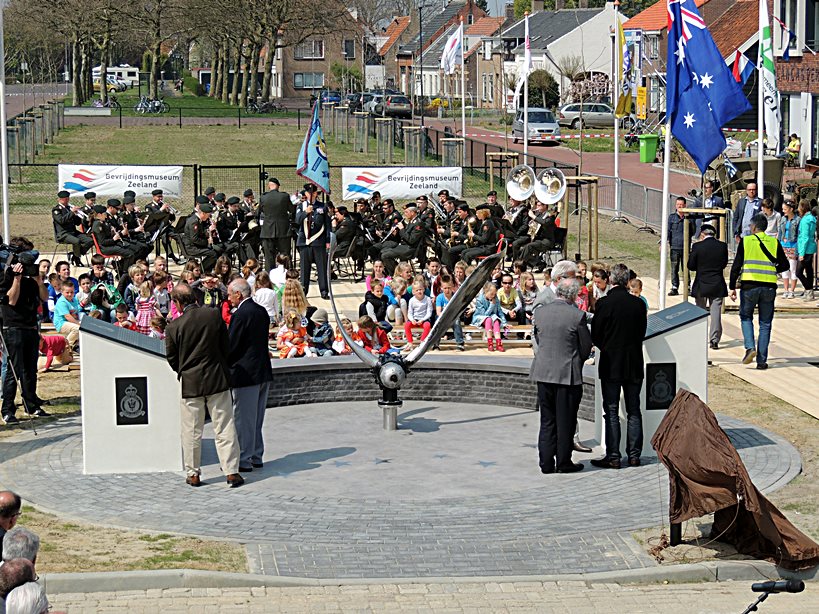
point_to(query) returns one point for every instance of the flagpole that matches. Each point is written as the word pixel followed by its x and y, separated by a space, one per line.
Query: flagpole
pixel 760 120
pixel 463 91
pixel 664 215
pixel 526 96
pixel 618 57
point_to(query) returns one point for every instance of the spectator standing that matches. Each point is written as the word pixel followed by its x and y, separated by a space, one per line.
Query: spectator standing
pixel 806 248
pixel 250 372
pixel 756 263
pixel 20 543
pixel 10 505
pixel 28 598
pixel 788 236
pixel 618 330
pixel 564 344
pixel 676 242
pixel 197 349
pixel 20 300
pixel 709 200
pixel 747 207
pixel 277 214
pixel 708 258
pixel 773 217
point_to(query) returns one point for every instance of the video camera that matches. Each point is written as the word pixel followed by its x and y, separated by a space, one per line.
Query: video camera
pixel 12 254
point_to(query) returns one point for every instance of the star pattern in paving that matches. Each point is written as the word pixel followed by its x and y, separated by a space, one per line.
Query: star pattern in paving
pixel 440 456
pixel 382 461
pixel 340 463
pixel 486 464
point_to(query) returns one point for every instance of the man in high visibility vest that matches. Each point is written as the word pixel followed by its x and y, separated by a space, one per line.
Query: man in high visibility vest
pixel 758 259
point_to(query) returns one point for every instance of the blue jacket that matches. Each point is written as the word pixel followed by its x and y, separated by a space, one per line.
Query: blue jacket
pixel 806 243
pixel 484 309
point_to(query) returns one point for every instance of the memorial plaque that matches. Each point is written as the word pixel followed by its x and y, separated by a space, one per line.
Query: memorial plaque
pixel 661 384
pixel 131 400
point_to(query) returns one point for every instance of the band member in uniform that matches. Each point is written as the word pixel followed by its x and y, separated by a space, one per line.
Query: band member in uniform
pixel 132 219
pixel 110 242
pixel 313 240
pixel 66 219
pixel 201 236
pixel 210 192
pixel 161 218
pixel 277 215
pixel 248 204
pixel 426 215
pixel 443 196
pixel 386 232
pixel 228 227
pixel 484 238
pixel 542 223
pixel 88 208
pixel 494 206
pixel 457 243
pixel 118 226
pixel 348 232
pixel 411 234
pixel 515 226
pixel 375 204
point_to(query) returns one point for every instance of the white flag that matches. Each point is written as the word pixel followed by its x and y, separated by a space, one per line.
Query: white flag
pixel 453 55
pixel 528 66
pixel 767 71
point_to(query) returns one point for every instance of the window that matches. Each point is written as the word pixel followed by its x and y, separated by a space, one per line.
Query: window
pixel 653 46
pixel 653 94
pixel 487 87
pixel 788 14
pixel 309 50
pixel 348 49
pixel 812 25
pixel 308 80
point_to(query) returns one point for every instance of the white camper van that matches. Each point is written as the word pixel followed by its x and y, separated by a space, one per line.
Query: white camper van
pixel 124 73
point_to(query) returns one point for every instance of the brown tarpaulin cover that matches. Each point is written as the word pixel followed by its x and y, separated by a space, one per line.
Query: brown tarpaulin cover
pixel 706 475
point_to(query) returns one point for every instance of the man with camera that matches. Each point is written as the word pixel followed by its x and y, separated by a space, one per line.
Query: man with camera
pixel 21 293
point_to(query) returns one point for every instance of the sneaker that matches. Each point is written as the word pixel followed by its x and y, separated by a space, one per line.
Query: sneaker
pixel 762 366
pixel 468 336
pixel 459 347
pixel 749 357
pixel 11 419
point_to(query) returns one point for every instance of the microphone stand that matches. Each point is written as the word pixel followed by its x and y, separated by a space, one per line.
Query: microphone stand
pixel 754 606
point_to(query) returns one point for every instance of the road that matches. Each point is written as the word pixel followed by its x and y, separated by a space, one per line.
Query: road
pixel 20 97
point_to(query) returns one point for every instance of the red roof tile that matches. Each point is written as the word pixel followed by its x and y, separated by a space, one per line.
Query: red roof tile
pixel 485 26
pixel 393 32
pixel 733 28
pixel 654 18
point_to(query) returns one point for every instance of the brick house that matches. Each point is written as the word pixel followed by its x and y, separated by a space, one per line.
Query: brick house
pixel 400 31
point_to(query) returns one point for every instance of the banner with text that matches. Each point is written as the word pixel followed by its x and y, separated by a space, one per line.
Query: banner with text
pixel 400 182
pixel 114 180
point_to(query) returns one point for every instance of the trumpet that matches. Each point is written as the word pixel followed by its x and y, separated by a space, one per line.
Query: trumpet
pixel 471 222
pixel 80 212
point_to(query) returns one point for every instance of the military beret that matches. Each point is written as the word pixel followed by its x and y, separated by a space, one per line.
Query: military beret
pixel 210 190
pixel 422 197
pixel 202 200
pixel 63 194
pixel 220 197
pixel 114 202
pixel 274 180
pixel 99 208
pixel 444 192
pixel 342 209
pixel 411 206
pixel 130 193
pixel 492 193
pixel 89 195
pixel 128 200
pixel 157 193
pixel 481 207
pixel 249 192
pixel 463 207
pixel 233 200
pixel 206 208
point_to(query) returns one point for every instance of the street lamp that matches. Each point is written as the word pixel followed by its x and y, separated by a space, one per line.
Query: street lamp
pixel 421 7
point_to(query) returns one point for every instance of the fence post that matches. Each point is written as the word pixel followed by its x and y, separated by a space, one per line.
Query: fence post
pixel 180 117
pixel 298 117
pixel 195 180
pixel 119 112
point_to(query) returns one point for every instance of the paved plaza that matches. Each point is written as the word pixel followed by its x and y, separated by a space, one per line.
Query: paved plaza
pixel 447 598
pixel 455 492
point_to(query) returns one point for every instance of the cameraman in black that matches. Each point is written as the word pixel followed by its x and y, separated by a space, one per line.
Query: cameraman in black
pixel 21 293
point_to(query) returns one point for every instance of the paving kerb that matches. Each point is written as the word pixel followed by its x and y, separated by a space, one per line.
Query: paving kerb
pixel 115 581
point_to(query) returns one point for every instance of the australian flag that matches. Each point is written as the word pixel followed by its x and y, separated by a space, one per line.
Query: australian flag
pixel 312 164
pixel 701 93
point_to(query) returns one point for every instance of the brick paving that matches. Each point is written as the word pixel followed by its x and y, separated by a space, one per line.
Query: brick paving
pixel 458 494
pixel 520 597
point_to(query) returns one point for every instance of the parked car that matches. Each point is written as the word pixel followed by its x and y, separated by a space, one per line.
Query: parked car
pixel 595 115
pixel 543 127
pixel 357 101
pixel 374 105
pixel 397 106
pixel 112 88
pixel 330 96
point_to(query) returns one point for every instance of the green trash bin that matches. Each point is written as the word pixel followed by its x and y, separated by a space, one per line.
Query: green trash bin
pixel 648 147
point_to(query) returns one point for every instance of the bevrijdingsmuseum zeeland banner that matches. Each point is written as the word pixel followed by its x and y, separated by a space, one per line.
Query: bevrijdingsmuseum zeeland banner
pixel 114 180
pixel 400 182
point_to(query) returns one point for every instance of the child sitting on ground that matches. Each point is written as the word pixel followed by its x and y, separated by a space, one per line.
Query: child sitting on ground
pixel 375 305
pixel 340 346
pixel 54 346
pixel 510 301
pixel 419 313
pixel 158 324
pixel 250 270
pixel 396 303
pixel 161 293
pixel 137 275
pixel 323 333
pixel 441 301
pixel 67 314
pixel 378 274
pixel 84 293
pixel 488 315
pixel 123 319
pixel 373 338
pixel 292 338
pixel 266 296
pixel 528 293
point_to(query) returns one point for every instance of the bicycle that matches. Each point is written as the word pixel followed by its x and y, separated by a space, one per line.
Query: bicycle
pixel 111 103
pixel 151 105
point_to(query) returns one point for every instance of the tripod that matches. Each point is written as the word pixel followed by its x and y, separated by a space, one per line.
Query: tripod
pixel 10 365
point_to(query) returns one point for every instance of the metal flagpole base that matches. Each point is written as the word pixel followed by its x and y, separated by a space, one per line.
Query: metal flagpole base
pixel 390 404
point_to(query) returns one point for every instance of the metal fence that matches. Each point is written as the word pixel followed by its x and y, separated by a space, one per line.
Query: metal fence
pixel 638 203
pixel 30 131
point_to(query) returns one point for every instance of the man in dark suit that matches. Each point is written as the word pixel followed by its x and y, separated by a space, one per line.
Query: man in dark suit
pixel 709 200
pixel 250 372
pixel 277 215
pixel 747 207
pixel 618 330
pixel 564 344
pixel 708 258
pixel 196 347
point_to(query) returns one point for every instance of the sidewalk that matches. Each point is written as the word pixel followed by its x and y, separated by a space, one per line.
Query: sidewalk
pixel 539 597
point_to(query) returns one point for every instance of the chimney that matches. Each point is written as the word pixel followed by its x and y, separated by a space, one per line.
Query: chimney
pixel 510 10
pixel 560 4
pixel 537 6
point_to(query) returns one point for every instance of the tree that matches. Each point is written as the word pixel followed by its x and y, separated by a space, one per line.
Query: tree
pixel 483 5
pixel 521 7
pixel 542 85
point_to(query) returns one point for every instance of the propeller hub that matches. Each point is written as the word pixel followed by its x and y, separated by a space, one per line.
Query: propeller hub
pixel 391 375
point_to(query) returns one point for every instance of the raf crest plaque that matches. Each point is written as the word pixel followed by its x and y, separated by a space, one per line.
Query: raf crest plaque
pixel 132 400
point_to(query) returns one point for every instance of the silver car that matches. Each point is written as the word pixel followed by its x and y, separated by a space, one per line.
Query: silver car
pixel 595 115
pixel 543 127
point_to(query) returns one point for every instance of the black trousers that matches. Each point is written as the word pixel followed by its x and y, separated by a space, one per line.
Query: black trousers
pixel 472 253
pixel 611 410
pixel 392 255
pixel 534 249
pixel 804 272
pixel 273 247
pixel 558 420
pixel 80 243
pixel 518 243
pixel 309 254
pixel 206 255
pixel 22 344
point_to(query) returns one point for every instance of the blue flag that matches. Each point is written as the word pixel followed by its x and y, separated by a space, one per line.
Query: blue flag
pixel 701 93
pixel 312 164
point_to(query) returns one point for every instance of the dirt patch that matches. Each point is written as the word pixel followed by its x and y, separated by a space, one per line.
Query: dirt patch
pixel 799 500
